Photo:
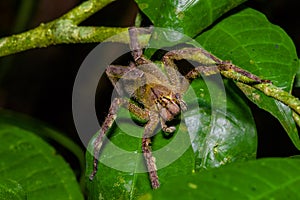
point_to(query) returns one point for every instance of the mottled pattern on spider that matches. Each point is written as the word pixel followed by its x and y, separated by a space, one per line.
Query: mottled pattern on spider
pixel 159 92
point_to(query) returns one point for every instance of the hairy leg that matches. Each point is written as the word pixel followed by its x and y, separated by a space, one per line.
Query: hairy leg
pixel 109 120
pixel 146 141
pixel 210 64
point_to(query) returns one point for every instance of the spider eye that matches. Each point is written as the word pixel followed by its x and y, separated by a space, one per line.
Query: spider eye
pixel 177 95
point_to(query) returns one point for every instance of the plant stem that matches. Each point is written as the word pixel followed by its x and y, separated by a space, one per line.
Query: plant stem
pixel 62 30
pixel 296 118
pixel 85 10
pixel 267 88
pixel 279 94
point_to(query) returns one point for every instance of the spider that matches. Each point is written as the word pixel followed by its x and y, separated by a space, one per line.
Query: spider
pixel 160 93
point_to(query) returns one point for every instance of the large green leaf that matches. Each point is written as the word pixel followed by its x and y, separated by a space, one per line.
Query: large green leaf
pixel 222 137
pixel 249 40
pixel 44 131
pixel 224 132
pixel 227 131
pixel 34 166
pixel 276 178
pixel 189 17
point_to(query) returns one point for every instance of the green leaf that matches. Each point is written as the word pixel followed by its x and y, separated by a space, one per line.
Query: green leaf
pixel 227 130
pixel 32 163
pixel 11 190
pixel 44 131
pixel 189 17
pixel 250 41
pixel 272 178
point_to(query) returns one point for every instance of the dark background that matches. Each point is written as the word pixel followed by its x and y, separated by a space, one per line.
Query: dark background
pixel 39 82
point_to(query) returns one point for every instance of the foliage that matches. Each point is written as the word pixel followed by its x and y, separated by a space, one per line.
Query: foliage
pixel 250 41
pixel 30 168
pixel 262 179
pixel 228 30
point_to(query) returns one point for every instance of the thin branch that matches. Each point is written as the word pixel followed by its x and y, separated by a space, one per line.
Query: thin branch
pixel 268 89
pixel 296 118
pixel 85 10
pixel 63 30
pixel 281 95
pixel 56 33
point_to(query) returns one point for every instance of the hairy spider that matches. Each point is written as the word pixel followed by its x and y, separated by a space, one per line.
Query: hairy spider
pixel 159 93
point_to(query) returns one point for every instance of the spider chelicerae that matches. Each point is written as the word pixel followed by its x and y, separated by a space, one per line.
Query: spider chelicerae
pixel 160 93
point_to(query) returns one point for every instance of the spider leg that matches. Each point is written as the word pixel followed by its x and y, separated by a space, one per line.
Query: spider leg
pixel 209 65
pixel 109 120
pixel 142 63
pixel 146 141
pixel 124 77
pixel 230 70
pixel 165 128
pixel 136 50
pixel 174 76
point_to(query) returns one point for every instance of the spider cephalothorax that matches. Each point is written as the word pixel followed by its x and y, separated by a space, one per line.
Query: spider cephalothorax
pixel 160 93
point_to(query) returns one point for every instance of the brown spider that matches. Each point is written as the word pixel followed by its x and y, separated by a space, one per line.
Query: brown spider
pixel 160 93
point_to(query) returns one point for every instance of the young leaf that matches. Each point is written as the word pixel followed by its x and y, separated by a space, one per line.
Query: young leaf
pixel 32 163
pixel 270 178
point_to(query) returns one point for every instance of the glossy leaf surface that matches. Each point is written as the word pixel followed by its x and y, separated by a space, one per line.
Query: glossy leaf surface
pixel 250 41
pixel 226 131
pixel 189 16
pixel 275 178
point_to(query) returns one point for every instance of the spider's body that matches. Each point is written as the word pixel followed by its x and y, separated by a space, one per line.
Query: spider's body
pixel 150 87
pixel 145 83
pixel 159 93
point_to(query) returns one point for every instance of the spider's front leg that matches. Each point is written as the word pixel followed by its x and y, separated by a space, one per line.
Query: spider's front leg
pixel 146 141
pixel 209 65
pixel 108 122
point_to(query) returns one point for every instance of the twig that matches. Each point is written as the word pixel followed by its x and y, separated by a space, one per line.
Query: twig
pixel 279 94
pixel 65 30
